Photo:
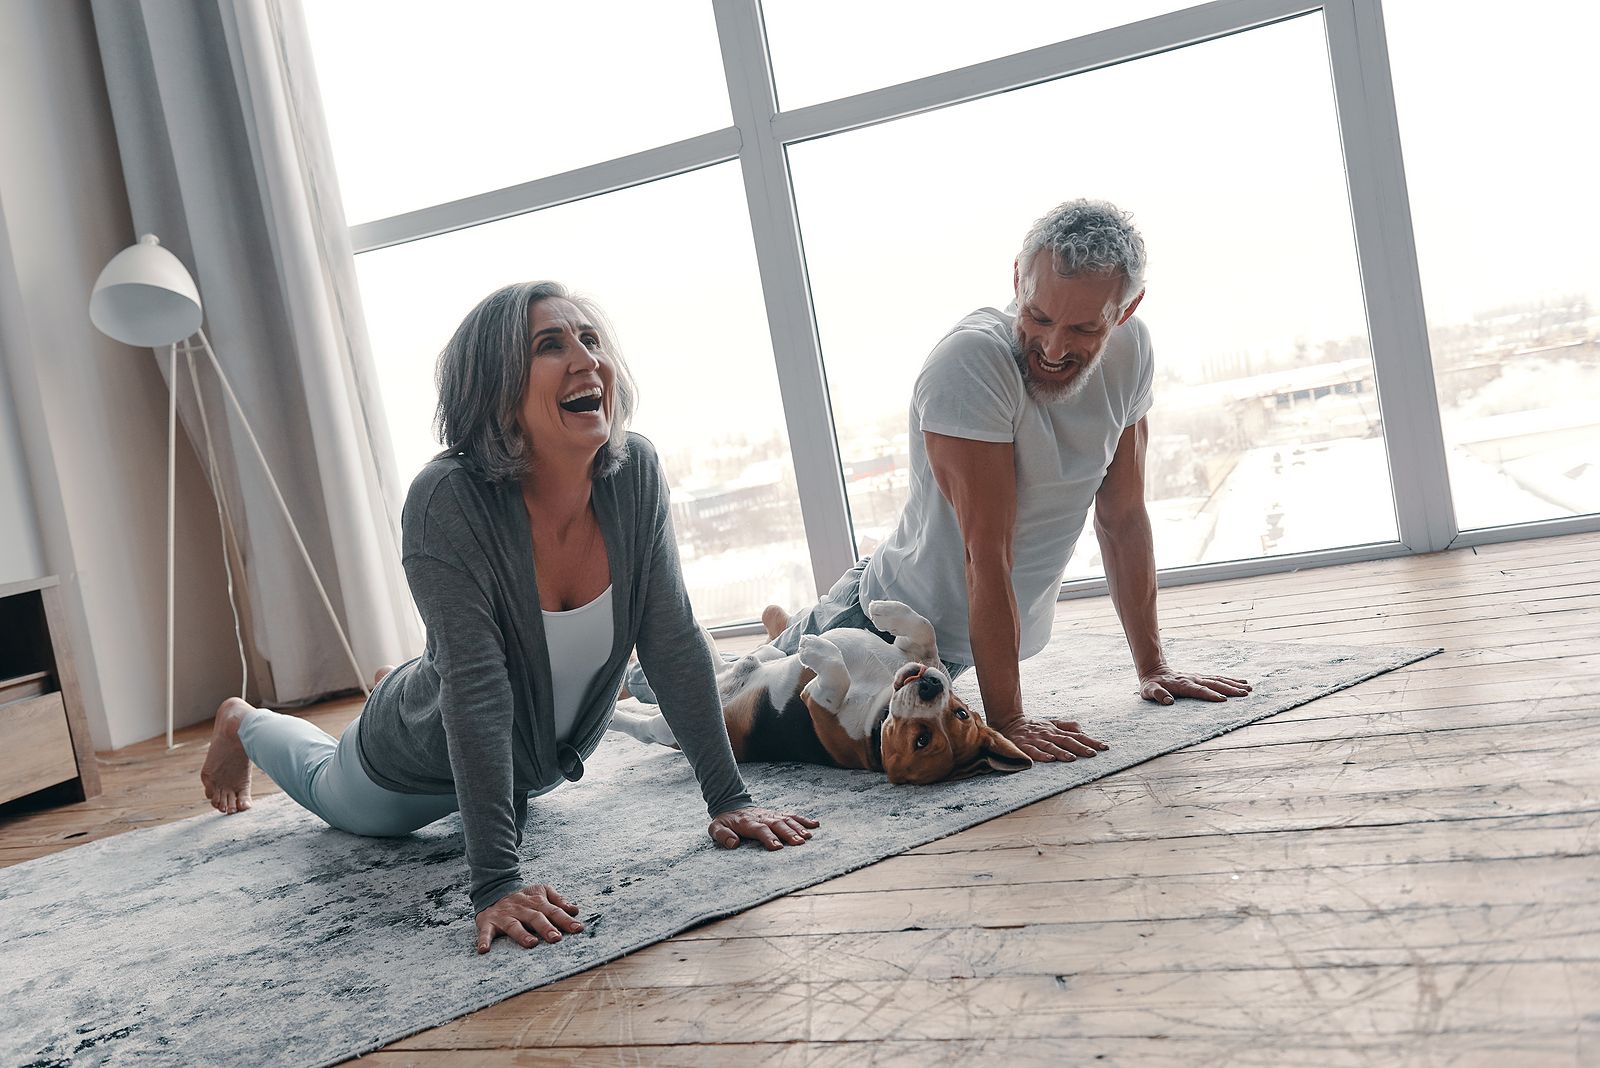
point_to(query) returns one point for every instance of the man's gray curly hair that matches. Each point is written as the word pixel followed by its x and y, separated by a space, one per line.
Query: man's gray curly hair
pixel 483 372
pixel 1089 237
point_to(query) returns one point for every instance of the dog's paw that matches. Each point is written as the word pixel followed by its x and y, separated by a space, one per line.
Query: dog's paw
pixel 896 617
pixel 816 650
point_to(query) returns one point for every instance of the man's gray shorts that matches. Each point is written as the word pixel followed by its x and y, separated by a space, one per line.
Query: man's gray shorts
pixel 840 607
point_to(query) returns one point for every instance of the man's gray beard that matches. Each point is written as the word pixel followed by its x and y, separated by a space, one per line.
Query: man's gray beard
pixel 1049 392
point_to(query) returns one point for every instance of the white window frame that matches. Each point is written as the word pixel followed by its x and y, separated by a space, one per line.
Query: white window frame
pixel 759 139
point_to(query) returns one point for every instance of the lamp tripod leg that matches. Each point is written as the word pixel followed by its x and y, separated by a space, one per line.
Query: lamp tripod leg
pixel 172 487
pixel 284 507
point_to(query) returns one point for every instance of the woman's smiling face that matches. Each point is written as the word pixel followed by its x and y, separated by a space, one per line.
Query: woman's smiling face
pixel 567 402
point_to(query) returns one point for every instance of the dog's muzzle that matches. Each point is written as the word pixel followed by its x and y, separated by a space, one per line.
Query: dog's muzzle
pixel 929 685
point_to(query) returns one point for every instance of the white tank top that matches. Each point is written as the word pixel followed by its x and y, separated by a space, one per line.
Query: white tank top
pixel 579 643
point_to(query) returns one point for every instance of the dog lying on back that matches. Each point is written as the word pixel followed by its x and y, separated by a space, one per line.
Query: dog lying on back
pixel 849 699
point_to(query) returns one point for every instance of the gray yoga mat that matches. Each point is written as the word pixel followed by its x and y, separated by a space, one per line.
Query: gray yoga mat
pixel 267 938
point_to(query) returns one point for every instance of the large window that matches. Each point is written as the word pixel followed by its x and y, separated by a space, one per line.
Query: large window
pixel 429 102
pixel 778 279
pixel 1265 438
pixel 1497 107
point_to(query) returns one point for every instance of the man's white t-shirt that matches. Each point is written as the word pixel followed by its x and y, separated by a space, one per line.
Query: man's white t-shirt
pixel 971 387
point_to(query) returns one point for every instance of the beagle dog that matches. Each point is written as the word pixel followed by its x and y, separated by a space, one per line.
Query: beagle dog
pixel 849 699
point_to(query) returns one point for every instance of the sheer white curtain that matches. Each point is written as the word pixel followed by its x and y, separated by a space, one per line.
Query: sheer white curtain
pixel 225 159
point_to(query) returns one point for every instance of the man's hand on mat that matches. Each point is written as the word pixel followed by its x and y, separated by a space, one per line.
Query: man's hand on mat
pixel 1164 685
pixel 1050 739
pixel 528 916
pixel 771 828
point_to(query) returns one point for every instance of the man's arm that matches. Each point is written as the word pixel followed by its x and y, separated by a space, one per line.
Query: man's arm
pixel 979 479
pixel 1127 547
pixel 1122 525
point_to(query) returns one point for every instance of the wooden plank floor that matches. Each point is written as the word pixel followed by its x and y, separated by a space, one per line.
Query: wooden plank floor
pixel 1402 873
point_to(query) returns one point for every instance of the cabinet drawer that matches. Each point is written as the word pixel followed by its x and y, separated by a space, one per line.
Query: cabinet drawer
pixel 23 687
pixel 35 746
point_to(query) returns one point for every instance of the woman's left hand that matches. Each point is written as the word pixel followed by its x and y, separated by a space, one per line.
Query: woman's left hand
pixel 767 826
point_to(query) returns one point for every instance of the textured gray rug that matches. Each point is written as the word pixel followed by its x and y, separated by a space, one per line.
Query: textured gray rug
pixel 267 938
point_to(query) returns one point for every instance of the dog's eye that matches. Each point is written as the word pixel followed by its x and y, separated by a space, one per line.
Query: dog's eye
pixel 961 713
pixel 924 738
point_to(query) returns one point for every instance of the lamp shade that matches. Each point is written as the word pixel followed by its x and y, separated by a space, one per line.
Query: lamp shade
pixel 145 297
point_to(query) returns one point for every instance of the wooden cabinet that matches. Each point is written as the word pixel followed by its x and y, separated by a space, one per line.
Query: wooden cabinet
pixel 44 738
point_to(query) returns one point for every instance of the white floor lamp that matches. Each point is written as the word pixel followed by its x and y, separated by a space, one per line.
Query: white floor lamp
pixel 146 298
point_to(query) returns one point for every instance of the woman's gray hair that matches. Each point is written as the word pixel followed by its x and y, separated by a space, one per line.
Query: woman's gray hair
pixel 1089 237
pixel 483 372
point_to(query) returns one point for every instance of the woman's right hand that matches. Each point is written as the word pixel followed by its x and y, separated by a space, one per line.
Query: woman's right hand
pixel 528 916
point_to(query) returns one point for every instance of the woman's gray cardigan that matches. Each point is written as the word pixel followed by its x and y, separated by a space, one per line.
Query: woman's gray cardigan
pixel 473 715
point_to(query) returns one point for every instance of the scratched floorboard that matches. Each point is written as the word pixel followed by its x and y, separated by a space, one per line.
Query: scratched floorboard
pixel 1404 873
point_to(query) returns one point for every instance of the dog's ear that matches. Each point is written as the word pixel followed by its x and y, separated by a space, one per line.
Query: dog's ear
pixel 1001 753
pixel 995 752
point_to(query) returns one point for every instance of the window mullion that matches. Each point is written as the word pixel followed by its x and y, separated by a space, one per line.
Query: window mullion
pixel 1392 284
pixel 597 179
pixel 780 259
pixel 1107 47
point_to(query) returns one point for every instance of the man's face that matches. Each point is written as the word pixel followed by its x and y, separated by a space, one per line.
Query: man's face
pixel 1063 325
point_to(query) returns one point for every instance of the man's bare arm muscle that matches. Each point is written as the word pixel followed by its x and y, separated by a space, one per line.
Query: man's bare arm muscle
pixel 1122 525
pixel 979 479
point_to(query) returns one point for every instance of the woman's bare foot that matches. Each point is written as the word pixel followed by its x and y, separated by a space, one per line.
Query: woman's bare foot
pixel 226 775
pixel 775 619
pixel 377 676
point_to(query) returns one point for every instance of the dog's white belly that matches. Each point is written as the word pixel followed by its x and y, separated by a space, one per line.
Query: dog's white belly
pixel 872 664
pixel 779 676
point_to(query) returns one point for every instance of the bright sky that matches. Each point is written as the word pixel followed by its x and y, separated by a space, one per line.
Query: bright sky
pixel 892 41
pixel 1227 153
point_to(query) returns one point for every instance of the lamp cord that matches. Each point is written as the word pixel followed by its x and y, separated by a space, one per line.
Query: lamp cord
pixel 284 507
pixel 224 520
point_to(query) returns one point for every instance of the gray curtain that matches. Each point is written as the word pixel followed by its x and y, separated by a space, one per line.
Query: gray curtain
pixel 225 159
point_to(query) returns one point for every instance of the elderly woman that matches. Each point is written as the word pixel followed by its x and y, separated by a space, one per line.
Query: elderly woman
pixel 539 551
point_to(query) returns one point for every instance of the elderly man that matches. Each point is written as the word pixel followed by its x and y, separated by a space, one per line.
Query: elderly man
pixel 1019 419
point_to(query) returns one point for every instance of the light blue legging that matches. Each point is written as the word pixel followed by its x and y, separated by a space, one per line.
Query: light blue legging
pixel 326 777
